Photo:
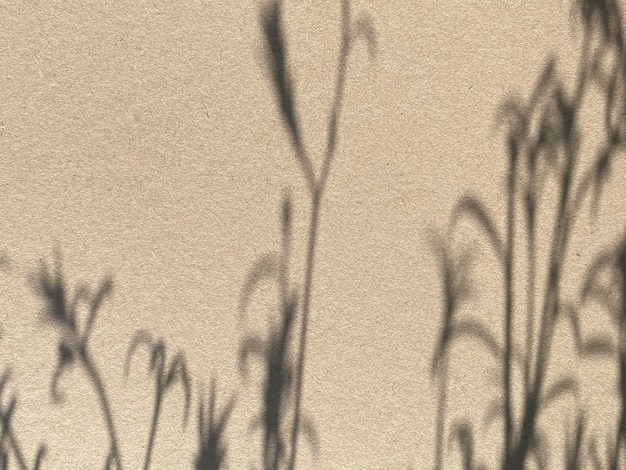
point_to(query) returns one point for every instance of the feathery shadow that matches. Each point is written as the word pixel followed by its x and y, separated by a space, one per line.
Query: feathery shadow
pixel 285 373
pixel 544 132
pixel 61 308
pixel 212 449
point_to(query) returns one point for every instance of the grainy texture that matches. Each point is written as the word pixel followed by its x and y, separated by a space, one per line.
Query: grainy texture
pixel 145 142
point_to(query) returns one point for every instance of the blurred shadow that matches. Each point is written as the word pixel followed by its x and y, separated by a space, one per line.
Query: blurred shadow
pixel 212 447
pixel 282 351
pixel 275 352
pixel 166 377
pixel 544 133
pixel 9 444
pixel 60 310
pixel 61 304
pixel 293 301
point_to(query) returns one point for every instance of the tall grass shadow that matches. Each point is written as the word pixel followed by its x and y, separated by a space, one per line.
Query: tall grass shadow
pixel 63 303
pixel 275 352
pixel 212 448
pixel 283 350
pixel 547 177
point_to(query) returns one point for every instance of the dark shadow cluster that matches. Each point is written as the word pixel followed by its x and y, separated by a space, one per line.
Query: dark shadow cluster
pixel 547 177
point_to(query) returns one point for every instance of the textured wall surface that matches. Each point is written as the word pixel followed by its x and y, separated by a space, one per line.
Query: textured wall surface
pixel 145 142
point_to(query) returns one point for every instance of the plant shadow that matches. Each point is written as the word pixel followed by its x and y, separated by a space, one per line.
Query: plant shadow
pixel 549 183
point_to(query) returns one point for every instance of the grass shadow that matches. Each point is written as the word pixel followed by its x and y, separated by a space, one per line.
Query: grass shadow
pixel 284 350
pixel 544 132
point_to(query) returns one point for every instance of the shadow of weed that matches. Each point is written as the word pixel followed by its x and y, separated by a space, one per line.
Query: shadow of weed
pixel 165 378
pixel 284 373
pixel 60 310
pixel 275 353
pixel 543 138
pixel 211 426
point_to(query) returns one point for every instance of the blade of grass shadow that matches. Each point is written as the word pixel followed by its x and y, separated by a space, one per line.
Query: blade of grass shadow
pixel 454 279
pixel 60 311
pixel 177 371
pixel 212 450
pixel 281 78
pixel 271 22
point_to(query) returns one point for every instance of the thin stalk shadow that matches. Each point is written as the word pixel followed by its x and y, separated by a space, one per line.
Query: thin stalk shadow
pixel 165 379
pixel 316 183
pixel 211 426
pixel 61 311
pixel 544 134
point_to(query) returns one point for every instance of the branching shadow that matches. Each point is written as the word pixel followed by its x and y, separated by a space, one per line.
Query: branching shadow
pixel 275 352
pixel 211 427
pixel 61 308
pixel 282 351
pixel 284 369
pixel 544 133
pixel 165 378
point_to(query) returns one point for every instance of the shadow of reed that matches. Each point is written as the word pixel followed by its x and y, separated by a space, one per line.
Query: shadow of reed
pixel 283 350
pixel 275 352
pixel 547 177
pixel 212 448
pixel 61 303
pixel 61 310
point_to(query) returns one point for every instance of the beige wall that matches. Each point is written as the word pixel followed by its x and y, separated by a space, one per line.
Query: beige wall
pixel 144 140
